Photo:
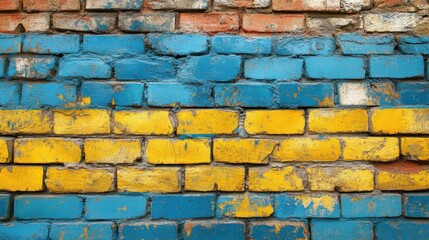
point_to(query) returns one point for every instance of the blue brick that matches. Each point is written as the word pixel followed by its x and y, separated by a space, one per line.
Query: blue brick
pixel 148 230
pixel 174 94
pixel 47 94
pixel 413 93
pixel 114 207
pixel 401 229
pixel 356 206
pixel 114 4
pixel 178 45
pixel 10 43
pixel 113 94
pixel 396 66
pixel 48 207
pixel 414 45
pixel 24 231
pixel 244 95
pixel 2 66
pixel 232 205
pixel 293 95
pixel 210 68
pixel 306 206
pixel 147 22
pixel 84 67
pixel 144 69
pixel 416 205
pixel 354 43
pixel 272 68
pixel 305 46
pixel 10 93
pixel 182 206
pixel 113 44
pixel 341 230
pixel 241 45
pixel 51 44
pixel 209 230
pixel 4 206
pixel 83 231
pixel 278 230
pixel 32 67
pixel 335 67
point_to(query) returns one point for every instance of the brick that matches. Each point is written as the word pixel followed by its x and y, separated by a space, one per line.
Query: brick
pixel 416 205
pixel 51 44
pixel 113 44
pixel 178 45
pixel 85 122
pixel 75 230
pixel 162 180
pixel 406 176
pixel 25 121
pixel 323 25
pixel 340 229
pixel 362 206
pixel 2 67
pixel 48 95
pixel 6 150
pixel 244 95
pixel 47 207
pixel 113 151
pixel 390 22
pixel 396 66
pixel 79 180
pixel 113 4
pixel 244 206
pixel 17 230
pixel 276 179
pixel 148 230
pixel 370 149
pixel 415 148
pixel 414 44
pixel 32 67
pixel 144 122
pixel 305 46
pixel 47 150
pixel 8 5
pixel 10 94
pixel 341 179
pixel 306 5
pixel 36 22
pixel 273 68
pixel 335 67
pixel 269 23
pixel 183 206
pixel 4 206
pixel 367 94
pixel 313 205
pixel 273 229
pixel 293 95
pixel 209 22
pixel 210 68
pixel 207 121
pixel 355 5
pixel 178 5
pixel 84 67
pixel 177 151
pixel 213 230
pixel 353 43
pixel 108 207
pixel 113 94
pixel 402 229
pixel 226 44
pixel 50 5
pixel 274 122
pixel 147 22
pixel 21 178
pixel 413 93
pixel 254 151
pixel 91 22
pixel 332 120
pixel 176 94
pixel 214 178
pixel 144 69
pixel 242 3
pixel 10 43
pixel 399 120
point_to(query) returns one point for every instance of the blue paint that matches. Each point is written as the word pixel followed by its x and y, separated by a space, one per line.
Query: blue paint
pixel 335 67
pixel 227 204
pixel 354 43
pixel 32 67
pixel 413 93
pixel 244 95
pixel 51 44
pixel 359 206
pixel 289 206
pixel 340 230
pixel 293 95
pixel 48 207
pixel 209 230
pixel 396 66
pixel 85 67
pixel 24 231
pixel 10 43
pixel 305 46
pixel 414 45
pixel 183 206
pixel 149 230
pixel 120 4
pixel 2 66
pixel 272 68
pixel 47 94
pixel 226 44
pixel 121 94
pixel 174 94
pixel 113 44
pixel 114 207
pixel 178 45
pixel 83 231
pixel 156 22
pixel 279 230
pixel 401 229
pixel 10 93
pixel 416 205
pixel 4 206
pixel 144 69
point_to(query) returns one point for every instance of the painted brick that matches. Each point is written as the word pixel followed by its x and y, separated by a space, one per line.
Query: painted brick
pixel 183 206
pixel 276 179
pixel 48 94
pixel 367 94
pixel 178 5
pixel 306 206
pixel 242 3
pixel 85 67
pixel 306 5
pixel 333 120
pixel 260 230
pixel 10 94
pixel 207 121
pixel 177 151
pixel 148 230
pixel 354 43
pixel 174 94
pixel 396 66
pixel 113 94
pixel 47 207
pixel 105 207
pixel 305 46
pixel 273 68
pixel 244 95
pixel 414 44
pixel 17 230
pixel 114 4
pixel 155 180
pixel 274 122
pixel 7 5
pixel 25 121
pixel 90 22
pixel 225 44
pixel 145 122
pixel 337 229
pixel 416 205
pixel 209 22
pixel 407 176
pixel 21 178
pixel 6 151
pixel 51 5
pixel 51 44
pixel 147 22
pixel 269 23
pixel 212 230
pixel 415 148
pixel 293 95
pixel 80 230
pixel 402 229
pixel 113 151
pixel 413 93
pixel 256 151
pixel 399 120
pixel 244 206
pixel 212 178
pixel 390 22
pixel 10 43
pixel 2 66
pixel 178 45
pixel 4 206
pixel 32 67
pixel 355 5
pixel 36 22
pixel 144 69
pixel 85 122
pixel 362 206
pixel 335 67
pixel 113 44
pixel 370 149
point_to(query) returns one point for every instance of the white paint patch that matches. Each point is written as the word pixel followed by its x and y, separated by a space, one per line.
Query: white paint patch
pixel 322 4
pixel 355 5
pixel 352 94
pixel 390 22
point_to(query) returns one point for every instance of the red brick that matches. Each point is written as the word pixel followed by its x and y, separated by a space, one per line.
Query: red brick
pixel 389 3
pixel 7 5
pixel 306 5
pixel 51 5
pixel 93 22
pixel 31 22
pixel 209 23
pixel 268 23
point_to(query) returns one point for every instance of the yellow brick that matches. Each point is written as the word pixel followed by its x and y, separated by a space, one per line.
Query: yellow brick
pixel 112 150
pixel 5 150
pixel 332 120
pixel 159 180
pixel 308 149
pixel 406 176
pixel 177 151
pixel 342 179
pixel 370 148
pixel 63 180
pixel 47 150
pixel 89 121
pixel 21 178
pixel 275 122
pixel 212 178
pixel 208 121
pixel 415 148
pixel 276 179
pixel 245 206
pixel 393 121
pixel 255 151
pixel 25 121
pixel 147 122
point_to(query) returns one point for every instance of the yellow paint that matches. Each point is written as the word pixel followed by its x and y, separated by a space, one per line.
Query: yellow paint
pixel 317 201
pixel 255 151
pixel 275 122
pixel 63 180
pixel 308 149
pixel 246 207
pixel 25 121
pixel 207 121
pixel 393 121
pixel 21 178
pixel 370 148
pixel 341 179
pixel 156 180
pixel 84 122
pixel 332 120
pixel 145 122
pixel 47 150
pixel 415 148
pixel 275 179
pixel 176 151
pixel 391 180
pixel 280 225
pixel 328 101
pixel 112 151
pixel 85 101
pixel 5 151
pixel 210 178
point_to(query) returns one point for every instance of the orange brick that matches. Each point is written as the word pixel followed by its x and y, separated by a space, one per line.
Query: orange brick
pixel 406 176
pixel 7 5
pixel 38 22
pixel 51 5
pixel 269 23
pixel 209 23
pixel 306 5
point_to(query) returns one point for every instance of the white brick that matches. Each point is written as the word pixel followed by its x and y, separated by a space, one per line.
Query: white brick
pixel 355 5
pixel 390 22
pixel 353 94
